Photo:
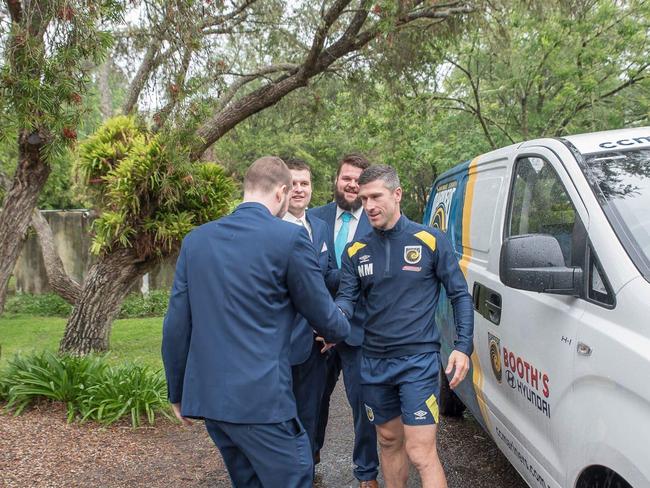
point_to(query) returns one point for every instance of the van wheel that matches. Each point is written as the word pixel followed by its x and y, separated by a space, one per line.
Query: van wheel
pixel 449 404
pixel 601 477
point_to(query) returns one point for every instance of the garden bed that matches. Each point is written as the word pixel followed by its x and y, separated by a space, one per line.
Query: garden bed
pixel 38 448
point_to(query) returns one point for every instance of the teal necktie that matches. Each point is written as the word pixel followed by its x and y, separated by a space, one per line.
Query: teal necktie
pixel 342 236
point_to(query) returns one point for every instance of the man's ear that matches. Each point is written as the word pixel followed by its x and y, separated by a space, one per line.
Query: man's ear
pixel 398 194
pixel 280 193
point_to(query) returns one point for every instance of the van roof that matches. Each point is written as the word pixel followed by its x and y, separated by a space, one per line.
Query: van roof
pixel 606 141
pixel 592 142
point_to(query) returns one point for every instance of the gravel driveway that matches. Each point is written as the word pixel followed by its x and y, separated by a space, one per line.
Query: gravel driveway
pixel 38 449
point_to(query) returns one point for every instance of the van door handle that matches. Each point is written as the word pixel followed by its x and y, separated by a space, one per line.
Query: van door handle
pixel 487 302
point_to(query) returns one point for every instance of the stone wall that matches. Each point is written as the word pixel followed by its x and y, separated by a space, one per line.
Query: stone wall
pixel 71 229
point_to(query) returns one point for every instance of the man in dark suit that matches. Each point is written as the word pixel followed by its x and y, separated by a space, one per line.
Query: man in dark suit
pixel 308 354
pixel 239 283
pixel 347 221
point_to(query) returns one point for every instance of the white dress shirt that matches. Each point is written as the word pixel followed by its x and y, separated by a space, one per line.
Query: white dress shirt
pixel 353 224
pixel 289 217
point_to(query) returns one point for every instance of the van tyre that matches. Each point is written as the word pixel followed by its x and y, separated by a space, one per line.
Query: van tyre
pixel 449 403
pixel 601 477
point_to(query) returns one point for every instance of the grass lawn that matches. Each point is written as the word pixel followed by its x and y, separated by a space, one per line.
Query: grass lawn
pixel 136 340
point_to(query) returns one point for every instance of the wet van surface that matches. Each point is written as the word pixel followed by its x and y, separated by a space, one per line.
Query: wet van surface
pixel 553 236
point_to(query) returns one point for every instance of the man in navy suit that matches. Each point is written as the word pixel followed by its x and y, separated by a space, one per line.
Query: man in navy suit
pixel 308 352
pixel 347 221
pixel 239 283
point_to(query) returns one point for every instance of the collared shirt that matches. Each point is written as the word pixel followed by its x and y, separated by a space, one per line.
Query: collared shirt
pixel 354 222
pixel 289 217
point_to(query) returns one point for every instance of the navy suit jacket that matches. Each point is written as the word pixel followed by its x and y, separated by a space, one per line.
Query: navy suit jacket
pixel 302 336
pixel 238 285
pixel 328 214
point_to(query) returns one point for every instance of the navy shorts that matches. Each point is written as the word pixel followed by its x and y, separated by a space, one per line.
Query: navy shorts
pixel 408 386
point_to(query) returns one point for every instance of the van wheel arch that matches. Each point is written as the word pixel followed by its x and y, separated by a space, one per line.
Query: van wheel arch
pixel 601 477
pixel 449 403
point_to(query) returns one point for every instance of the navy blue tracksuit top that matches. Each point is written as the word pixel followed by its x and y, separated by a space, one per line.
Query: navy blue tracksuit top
pixel 399 272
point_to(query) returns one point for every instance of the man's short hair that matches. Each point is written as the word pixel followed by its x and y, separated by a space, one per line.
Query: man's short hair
pixel 354 159
pixel 298 165
pixel 265 174
pixel 380 172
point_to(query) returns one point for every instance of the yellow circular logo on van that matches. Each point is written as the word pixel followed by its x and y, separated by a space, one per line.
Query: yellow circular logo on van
pixel 439 220
pixel 495 357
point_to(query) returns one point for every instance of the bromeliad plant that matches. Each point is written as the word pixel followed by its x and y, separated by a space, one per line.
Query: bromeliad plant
pixel 147 196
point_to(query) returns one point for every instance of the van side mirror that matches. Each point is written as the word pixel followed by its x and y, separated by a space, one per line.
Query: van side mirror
pixel 534 262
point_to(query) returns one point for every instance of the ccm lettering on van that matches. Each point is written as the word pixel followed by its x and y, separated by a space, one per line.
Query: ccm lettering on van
pixel 624 142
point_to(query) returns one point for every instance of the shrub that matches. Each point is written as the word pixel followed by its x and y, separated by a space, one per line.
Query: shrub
pixel 50 305
pixel 152 305
pixel 46 376
pixel 131 390
pixel 47 304
pixel 87 385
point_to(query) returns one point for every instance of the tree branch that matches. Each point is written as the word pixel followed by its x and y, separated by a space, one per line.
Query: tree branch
pixel 245 79
pixel 146 67
pixel 316 61
pixel 174 96
pixel 631 81
pixel 477 101
pixel 222 19
pixel 5 181
pixel 106 98
pixel 61 283
pixel 15 10
pixel 320 35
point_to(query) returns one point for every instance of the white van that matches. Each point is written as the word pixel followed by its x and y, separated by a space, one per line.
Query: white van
pixel 554 238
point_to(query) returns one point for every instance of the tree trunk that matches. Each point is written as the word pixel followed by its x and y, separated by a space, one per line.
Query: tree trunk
pixel 105 287
pixel 61 283
pixel 30 177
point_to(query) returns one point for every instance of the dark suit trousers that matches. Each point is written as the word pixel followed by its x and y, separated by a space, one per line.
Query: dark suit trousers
pixel 264 455
pixel 348 359
pixel 308 388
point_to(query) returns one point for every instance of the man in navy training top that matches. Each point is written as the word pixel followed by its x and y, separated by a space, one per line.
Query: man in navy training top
pixel 347 221
pixel 308 352
pixel 238 285
pixel 398 269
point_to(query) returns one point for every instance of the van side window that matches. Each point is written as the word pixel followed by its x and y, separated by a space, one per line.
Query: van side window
pixel 599 290
pixel 540 204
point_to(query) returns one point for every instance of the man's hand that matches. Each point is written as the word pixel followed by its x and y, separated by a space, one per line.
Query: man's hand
pixel 326 345
pixel 459 361
pixel 176 407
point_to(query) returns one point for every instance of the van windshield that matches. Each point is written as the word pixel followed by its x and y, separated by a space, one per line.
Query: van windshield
pixel 621 181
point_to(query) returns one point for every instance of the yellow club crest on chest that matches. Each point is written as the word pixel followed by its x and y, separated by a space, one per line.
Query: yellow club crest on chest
pixel 412 254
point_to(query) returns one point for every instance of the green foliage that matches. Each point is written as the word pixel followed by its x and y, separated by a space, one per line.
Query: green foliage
pixel 152 305
pixel 47 304
pixel 90 388
pixel 51 305
pixel 49 52
pixel 131 391
pixel 147 193
pixel 46 376
pixel 335 117
pixel 522 71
